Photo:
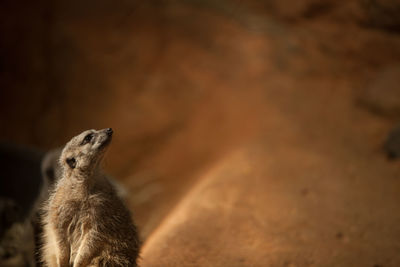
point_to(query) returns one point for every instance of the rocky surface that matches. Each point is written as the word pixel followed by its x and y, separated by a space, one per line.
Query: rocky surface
pixel 392 144
pixel 381 94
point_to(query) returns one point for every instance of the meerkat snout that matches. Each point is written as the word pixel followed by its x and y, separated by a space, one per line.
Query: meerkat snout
pixel 109 131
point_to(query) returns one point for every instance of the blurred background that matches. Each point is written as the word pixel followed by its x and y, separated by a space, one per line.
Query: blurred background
pixel 247 133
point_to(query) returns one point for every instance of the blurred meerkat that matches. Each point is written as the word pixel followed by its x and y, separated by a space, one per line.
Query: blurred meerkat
pixel 17 246
pixel 85 223
pixel 16 236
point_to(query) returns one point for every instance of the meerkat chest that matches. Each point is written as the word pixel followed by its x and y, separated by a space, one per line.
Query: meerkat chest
pixel 73 220
pixel 65 207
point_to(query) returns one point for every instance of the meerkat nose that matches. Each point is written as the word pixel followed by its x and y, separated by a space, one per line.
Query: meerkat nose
pixel 109 131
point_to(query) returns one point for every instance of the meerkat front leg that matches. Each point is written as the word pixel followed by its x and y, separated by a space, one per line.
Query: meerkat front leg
pixel 64 252
pixel 87 251
pixel 49 251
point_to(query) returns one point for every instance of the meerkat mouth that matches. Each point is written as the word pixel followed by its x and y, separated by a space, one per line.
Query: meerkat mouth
pixel 105 142
pixel 108 138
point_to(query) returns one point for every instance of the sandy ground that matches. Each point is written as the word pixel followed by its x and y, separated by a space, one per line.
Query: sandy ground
pixel 247 134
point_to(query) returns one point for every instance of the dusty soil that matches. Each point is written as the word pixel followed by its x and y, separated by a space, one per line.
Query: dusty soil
pixel 245 132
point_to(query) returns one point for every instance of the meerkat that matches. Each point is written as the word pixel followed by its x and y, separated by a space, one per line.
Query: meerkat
pixel 85 223
pixel 51 172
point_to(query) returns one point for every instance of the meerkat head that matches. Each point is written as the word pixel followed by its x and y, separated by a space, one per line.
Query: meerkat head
pixel 50 167
pixel 85 151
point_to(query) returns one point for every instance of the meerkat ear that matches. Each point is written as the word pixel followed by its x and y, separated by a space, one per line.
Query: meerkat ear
pixel 50 175
pixel 71 162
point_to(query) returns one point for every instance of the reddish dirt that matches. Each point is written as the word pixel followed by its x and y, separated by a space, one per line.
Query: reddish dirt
pixel 238 127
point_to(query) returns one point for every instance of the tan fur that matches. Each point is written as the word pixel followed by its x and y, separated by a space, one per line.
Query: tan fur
pixel 51 173
pixel 85 222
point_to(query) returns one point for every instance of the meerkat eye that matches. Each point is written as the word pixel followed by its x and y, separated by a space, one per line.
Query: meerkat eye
pixel 87 139
pixel 71 162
